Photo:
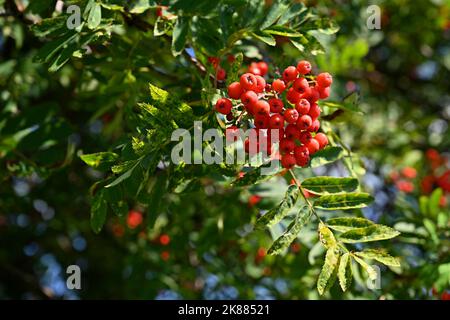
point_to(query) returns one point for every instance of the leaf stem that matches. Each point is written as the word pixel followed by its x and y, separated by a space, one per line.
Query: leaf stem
pixel 302 192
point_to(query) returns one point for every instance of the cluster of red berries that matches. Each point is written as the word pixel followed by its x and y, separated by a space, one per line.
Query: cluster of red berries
pixel 288 104
pixel 404 179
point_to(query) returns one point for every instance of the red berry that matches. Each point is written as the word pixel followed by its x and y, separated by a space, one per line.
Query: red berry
pixel 165 255
pixel 315 126
pixel 409 172
pixel 287 146
pixel 292 132
pixel 324 79
pixel 250 108
pixel 301 85
pixel 277 121
pixel 249 98
pixel 304 122
pixel 290 74
pixel 324 93
pixel 221 74
pixel 134 219
pixel 278 85
pixel 321 139
pixel 405 186
pixel 313 146
pixel 288 161
pixel 232 133
pixel 262 121
pixel 260 84
pixel 248 81
pixel 251 146
pixel 314 111
pixel 224 105
pixel 301 154
pixel 305 137
pixel 230 117
pixel 302 106
pixel 164 239
pixel 291 116
pixel 231 58
pixel 234 90
pixel 302 161
pixel 311 94
pixel 293 96
pixel 253 68
pixel 276 105
pixel 263 67
pixel 253 200
pixel 301 151
pixel 214 61
pixel 262 107
pixel 304 67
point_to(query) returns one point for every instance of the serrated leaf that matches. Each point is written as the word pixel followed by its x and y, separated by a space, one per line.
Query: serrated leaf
pixel 275 11
pixel 264 37
pixel 294 11
pixel 291 233
pixel 254 176
pixel 121 167
pixel 328 268
pixel 326 236
pixel 345 271
pixel 162 26
pixel 123 177
pixel 375 232
pixel 283 31
pixel 120 208
pixel 155 199
pixel 95 16
pixel 430 226
pixel 373 275
pixel 99 160
pixel 234 70
pixel 344 224
pixel 276 214
pixel 140 6
pixel 434 202
pixel 324 185
pixel 51 48
pixel 98 212
pixel 179 35
pixel 326 156
pixel 379 255
pixel 343 201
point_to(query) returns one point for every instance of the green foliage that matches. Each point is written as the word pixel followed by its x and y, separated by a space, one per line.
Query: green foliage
pixel 96 106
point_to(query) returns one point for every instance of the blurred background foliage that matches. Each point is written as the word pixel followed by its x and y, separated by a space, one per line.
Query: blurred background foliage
pixel 57 103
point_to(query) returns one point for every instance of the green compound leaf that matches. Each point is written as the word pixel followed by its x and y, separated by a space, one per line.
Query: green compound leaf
pixel 99 160
pixel 326 236
pixel 343 224
pixel 276 214
pixel 324 185
pixel 98 212
pixel 379 255
pixel 328 269
pixel 326 156
pixel 343 201
pixel 375 232
pixel 284 241
pixel 370 271
pixel 345 271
